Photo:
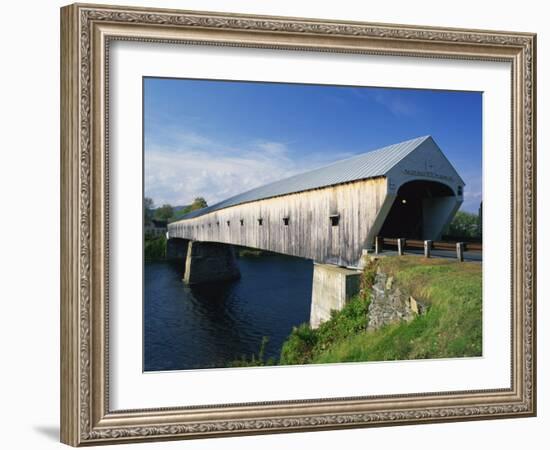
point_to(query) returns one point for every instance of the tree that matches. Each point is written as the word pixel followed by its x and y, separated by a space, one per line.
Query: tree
pixel 465 225
pixel 165 212
pixel 148 206
pixel 198 203
pixel 148 203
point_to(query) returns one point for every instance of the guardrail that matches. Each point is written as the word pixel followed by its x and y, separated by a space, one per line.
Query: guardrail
pixel 427 246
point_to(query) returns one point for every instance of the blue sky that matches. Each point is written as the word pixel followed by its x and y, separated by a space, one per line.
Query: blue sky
pixel 216 139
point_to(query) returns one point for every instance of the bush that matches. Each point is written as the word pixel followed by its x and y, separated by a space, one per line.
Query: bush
pixel 255 361
pixel 155 248
pixel 305 344
pixel 298 347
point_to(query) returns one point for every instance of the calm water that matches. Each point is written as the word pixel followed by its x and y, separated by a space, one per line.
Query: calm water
pixel 210 325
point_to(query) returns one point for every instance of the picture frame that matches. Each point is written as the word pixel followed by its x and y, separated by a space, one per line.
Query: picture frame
pixel 87 32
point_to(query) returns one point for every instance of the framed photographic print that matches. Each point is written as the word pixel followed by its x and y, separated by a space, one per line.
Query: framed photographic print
pixel 277 224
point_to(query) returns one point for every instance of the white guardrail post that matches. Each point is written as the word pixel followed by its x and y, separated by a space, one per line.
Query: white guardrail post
pixel 428 248
pixel 401 242
pixel 460 251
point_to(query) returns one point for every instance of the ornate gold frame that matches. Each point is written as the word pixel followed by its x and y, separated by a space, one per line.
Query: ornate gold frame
pixel 86 31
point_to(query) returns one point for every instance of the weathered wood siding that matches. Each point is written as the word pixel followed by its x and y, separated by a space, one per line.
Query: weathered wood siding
pixel 309 233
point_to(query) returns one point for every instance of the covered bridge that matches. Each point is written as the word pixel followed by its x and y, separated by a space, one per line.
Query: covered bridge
pixel 332 213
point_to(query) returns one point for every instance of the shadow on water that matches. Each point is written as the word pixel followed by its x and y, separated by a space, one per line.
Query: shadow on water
pixel 213 324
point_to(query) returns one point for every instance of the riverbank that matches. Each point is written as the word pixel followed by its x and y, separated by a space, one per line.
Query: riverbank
pixel 154 248
pixel 252 322
pixel 450 325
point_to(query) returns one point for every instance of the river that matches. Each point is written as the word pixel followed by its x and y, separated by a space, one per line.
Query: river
pixel 211 325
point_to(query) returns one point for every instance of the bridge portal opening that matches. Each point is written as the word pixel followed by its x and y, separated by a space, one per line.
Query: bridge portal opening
pixel 420 211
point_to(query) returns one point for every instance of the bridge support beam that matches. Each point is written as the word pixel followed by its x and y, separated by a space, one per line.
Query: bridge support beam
pixel 210 261
pixel 333 286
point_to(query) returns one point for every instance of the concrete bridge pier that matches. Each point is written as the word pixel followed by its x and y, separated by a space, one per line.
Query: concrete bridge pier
pixel 332 287
pixel 210 261
pixel 176 252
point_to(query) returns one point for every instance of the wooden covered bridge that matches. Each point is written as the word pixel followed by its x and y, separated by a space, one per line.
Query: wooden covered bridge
pixel 330 214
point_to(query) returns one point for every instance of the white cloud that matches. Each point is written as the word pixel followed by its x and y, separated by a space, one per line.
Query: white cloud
pixel 189 165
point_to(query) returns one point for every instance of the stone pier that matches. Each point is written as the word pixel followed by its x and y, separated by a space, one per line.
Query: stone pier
pixel 333 286
pixel 210 261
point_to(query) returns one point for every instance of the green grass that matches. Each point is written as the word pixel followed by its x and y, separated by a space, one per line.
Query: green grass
pixel 255 360
pixel 155 248
pixel 451 327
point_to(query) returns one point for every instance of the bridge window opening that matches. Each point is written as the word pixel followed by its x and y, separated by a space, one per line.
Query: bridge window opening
pixel 459 190
pixel 286 220
pixel 334 219
pixel 419 211
pixel 218 223
pixel 260 222
pixel 228 222
pixel 242 222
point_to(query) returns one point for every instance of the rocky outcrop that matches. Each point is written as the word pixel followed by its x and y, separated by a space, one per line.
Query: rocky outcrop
pixel 390 303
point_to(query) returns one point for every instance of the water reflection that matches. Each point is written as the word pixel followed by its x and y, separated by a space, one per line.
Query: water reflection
pixel 212 324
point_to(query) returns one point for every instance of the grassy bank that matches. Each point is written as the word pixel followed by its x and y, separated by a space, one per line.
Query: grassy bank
pixel 154 248
pixel 451 327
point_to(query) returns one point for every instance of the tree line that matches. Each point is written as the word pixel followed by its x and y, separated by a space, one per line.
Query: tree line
pixel 464 226
pixel 167 212
pixel 155 244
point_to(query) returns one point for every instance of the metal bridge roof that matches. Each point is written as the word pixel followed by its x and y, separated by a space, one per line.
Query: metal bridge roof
pixel 367 165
